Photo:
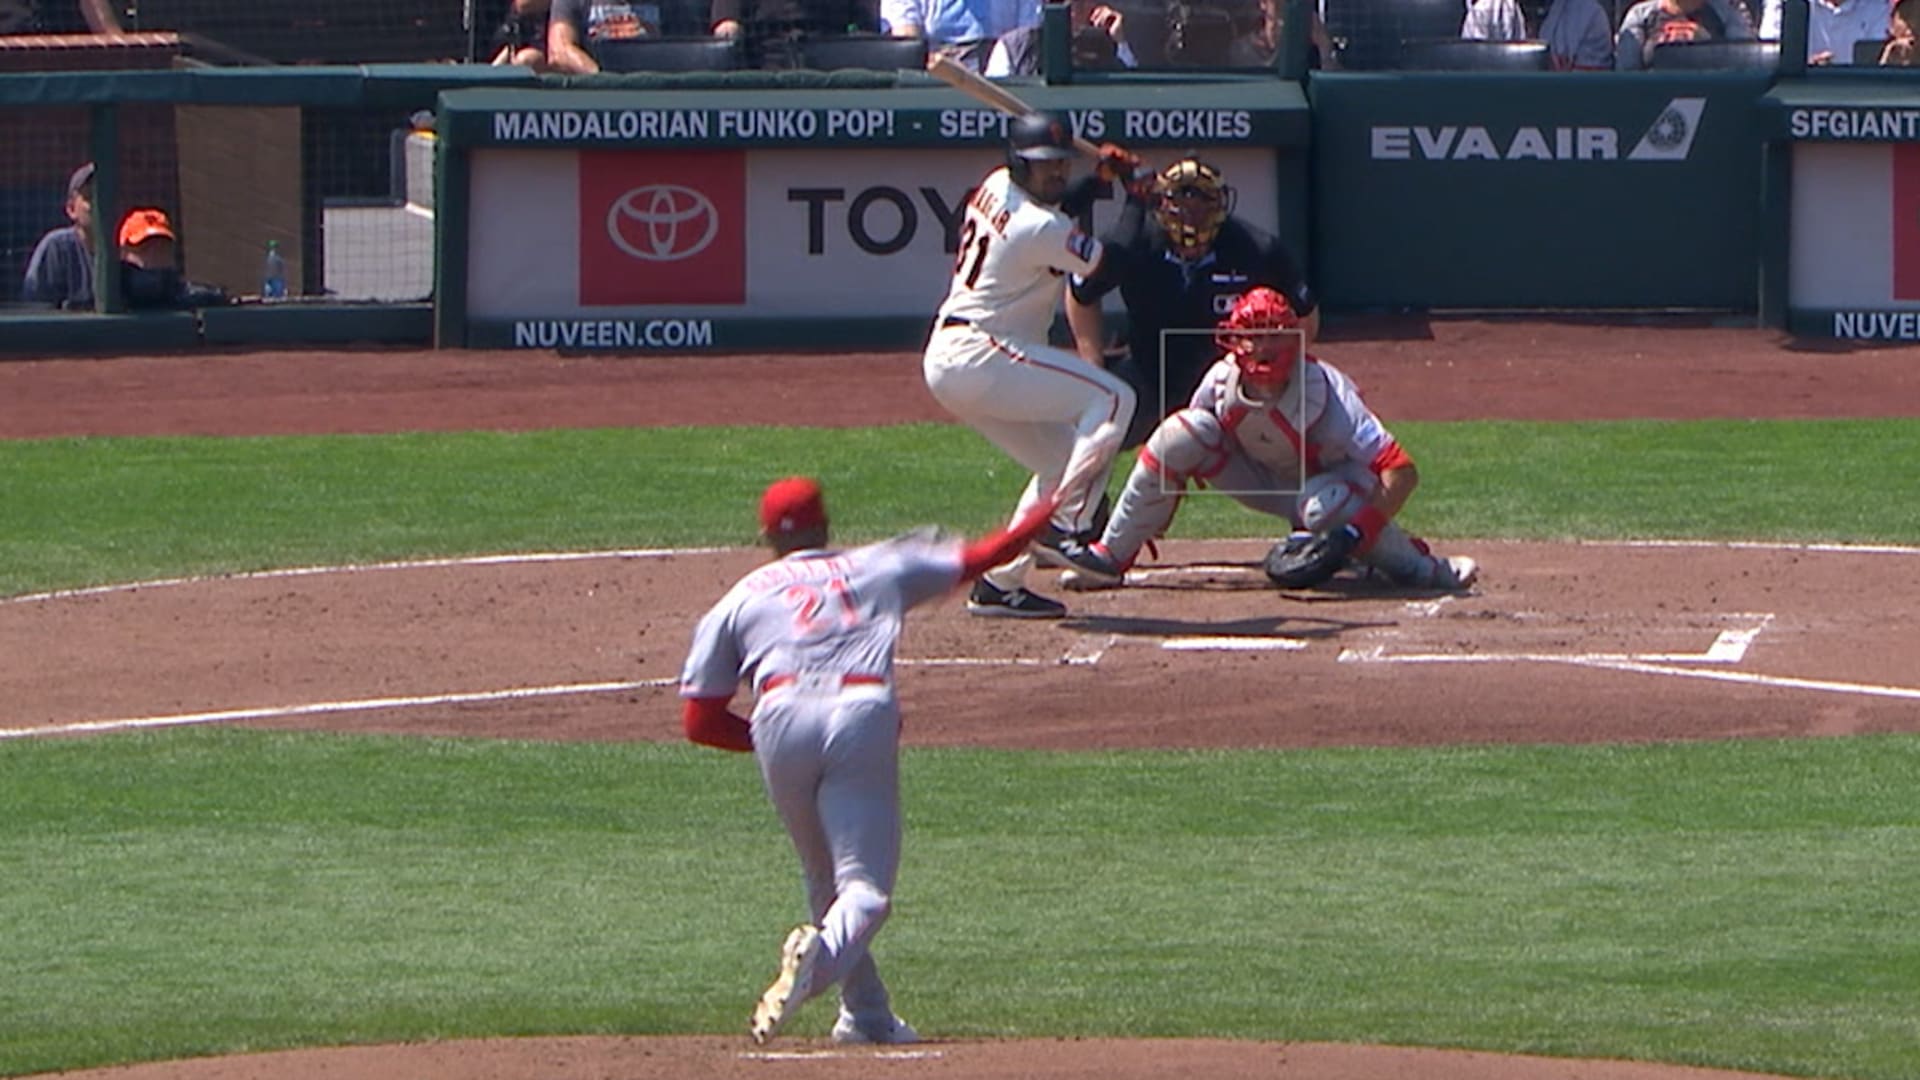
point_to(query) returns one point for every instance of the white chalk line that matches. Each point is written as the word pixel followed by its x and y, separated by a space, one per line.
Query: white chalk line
pixel 1729 647
pixel 1084 653
pixel 817 1055
pixel 517 693
pixel 321 708
pixel 526 558
pixel 1232 644
pixel 657 553
pixel 1630 664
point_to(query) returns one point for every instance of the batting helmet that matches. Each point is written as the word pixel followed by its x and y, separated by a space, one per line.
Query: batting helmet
pixel 1191 201
pixel 1263 336
pixel 1037 136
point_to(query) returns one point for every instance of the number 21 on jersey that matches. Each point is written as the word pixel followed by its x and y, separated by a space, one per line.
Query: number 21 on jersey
pixel 822 609
pixel 974 242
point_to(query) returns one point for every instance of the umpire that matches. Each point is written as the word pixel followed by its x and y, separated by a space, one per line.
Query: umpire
pixel 1188 259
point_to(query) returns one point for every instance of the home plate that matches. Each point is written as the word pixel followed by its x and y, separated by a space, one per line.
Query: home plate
pixel 1237 644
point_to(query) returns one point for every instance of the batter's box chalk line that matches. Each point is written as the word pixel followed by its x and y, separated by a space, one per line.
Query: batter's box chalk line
pixel 1728 647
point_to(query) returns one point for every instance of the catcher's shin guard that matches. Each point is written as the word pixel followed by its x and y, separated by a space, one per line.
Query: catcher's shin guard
pixel 1406 560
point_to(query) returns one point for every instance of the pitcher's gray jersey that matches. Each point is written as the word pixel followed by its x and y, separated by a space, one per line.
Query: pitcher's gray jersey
pixel 837 612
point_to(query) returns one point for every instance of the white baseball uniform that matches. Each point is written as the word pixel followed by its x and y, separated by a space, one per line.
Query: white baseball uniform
pixel 988 361
pixel 815 633
pixel 1262 453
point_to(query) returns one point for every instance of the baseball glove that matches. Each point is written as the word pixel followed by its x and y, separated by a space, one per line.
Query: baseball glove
pixel 1306 559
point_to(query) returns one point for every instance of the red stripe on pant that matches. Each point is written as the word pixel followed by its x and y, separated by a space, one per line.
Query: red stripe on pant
pixel 774 682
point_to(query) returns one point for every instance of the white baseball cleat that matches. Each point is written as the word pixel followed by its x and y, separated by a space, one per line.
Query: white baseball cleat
pixel 797 960
pixel 895 1032
pixel 1465 571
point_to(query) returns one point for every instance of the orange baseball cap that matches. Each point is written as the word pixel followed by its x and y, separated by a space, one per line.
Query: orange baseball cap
pixel 144 224
pixel 792 505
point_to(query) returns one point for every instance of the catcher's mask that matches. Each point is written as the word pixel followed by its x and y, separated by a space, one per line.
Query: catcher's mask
pixel 1253 333
pixel 1191 201
pixel 1037 136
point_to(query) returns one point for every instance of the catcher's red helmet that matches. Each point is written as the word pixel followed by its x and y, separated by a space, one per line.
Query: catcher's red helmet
pixel 1263 336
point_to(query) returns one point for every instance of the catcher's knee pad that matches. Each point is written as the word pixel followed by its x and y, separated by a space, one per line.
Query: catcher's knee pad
pixel 1327 501
pixel 1186 444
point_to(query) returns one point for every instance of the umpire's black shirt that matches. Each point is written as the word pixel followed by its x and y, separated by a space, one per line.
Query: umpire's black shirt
pixel 1164 293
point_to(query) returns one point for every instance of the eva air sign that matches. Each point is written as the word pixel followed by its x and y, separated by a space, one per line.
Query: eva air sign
pixel 1668 138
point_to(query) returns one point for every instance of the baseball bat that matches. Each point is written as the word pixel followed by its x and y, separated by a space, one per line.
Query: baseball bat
pixel 981 89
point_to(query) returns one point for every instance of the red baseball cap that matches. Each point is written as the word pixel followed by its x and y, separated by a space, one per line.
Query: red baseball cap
pixel 792 505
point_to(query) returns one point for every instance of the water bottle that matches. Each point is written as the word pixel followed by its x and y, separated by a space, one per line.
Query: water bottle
pixel 273 277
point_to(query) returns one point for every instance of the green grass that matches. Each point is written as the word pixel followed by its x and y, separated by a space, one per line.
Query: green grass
pixel 1738 904
pixel 1741 904
pixel 92 511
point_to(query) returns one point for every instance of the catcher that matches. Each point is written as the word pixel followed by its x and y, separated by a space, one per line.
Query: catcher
pixel 1287 435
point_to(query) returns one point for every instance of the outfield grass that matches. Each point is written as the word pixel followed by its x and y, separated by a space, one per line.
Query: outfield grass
pixel 92 511
pixel 1740 904
pixel 1737 904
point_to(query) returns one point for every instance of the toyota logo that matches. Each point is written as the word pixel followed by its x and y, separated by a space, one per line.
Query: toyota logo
pixel 667 222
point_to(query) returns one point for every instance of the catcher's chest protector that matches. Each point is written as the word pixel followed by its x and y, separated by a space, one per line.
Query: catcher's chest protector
pixel 1275 434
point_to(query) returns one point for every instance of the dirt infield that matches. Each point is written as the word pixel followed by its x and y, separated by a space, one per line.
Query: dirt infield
pixel 1628 642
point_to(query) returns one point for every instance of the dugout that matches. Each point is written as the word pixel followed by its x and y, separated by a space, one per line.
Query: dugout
pixel 236 156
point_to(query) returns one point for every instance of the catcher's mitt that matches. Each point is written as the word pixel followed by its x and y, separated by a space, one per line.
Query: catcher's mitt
pixel 1306 559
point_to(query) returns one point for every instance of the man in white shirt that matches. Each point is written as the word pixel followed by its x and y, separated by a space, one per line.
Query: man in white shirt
pixel 1832 27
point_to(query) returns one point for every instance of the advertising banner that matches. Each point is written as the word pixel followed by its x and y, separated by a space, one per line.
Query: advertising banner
pixel 665 228
pixel 1854 250
pixel 1504 191
pixel 638 234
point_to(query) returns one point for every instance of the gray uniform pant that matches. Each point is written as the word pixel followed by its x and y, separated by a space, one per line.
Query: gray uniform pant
pixel 830 760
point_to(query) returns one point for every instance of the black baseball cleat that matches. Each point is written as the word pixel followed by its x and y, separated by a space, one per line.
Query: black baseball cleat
pixel 989 602
pixel 1066 552
pixel 1090 566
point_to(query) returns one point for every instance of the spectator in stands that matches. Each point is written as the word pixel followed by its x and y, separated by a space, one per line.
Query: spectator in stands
pixel 574 27
pixel 1204 33
pixel 772 30
pixel 1494 20
pixel 149 265
pixel 60 271
pixel 1258 43
pixel 522 36
pixel 1900 51
pixel 1579 36
pixel 964 31
pixel 1832 26
pixel 1099 43
pixel 1650 24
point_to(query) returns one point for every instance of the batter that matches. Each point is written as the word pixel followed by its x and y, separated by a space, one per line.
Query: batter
pixel 988 361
